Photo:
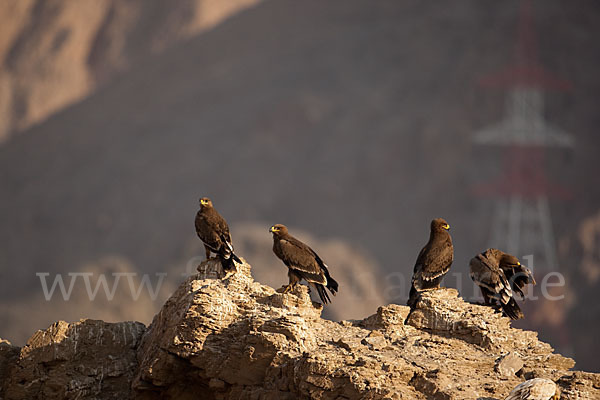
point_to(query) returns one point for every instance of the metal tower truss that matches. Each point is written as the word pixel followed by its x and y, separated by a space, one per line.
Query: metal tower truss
pixel 524 123
pixel 523 226
pixel 521 222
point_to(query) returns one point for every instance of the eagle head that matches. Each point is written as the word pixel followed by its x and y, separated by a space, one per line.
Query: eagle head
pixel 509 261
pixel 439 225
pixel 278 230
pixel 205 202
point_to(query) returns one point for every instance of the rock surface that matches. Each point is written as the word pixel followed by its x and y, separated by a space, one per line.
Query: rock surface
pixel 87 359
pixel 8 356
pixel 509 365
pixel 229 337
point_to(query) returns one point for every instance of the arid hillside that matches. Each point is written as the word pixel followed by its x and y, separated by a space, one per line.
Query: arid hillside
pixel 349 120
pixel 55 53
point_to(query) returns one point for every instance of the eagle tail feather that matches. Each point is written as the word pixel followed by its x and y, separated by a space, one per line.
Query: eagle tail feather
pixel 323 293
pixel 332 284
pixel 512 309
pixel 227 263
pixel 412 297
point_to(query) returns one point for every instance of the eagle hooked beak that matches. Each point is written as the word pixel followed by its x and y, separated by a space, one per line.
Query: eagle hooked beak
pixel 272 229
pixel 447 227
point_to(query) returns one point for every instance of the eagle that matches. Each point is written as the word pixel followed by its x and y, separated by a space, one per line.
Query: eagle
pixel 535 389
pixel 434 260
pixel 499 275
pixel 212 229
pixel 302 263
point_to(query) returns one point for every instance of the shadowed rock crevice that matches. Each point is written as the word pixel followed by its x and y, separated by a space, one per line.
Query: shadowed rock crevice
pixel 229 337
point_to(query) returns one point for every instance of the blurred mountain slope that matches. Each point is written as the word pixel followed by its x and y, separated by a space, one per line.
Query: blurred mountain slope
pixel 54 53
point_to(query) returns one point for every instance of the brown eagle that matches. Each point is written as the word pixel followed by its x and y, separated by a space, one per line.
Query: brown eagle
pixel 499 275
pixel 212 229
pixel 302 263
pixel 434 260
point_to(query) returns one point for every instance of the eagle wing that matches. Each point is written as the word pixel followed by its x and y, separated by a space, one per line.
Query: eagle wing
pixel 223 229
pixel 519 277
pixel 302 259
pixel 486 273
pixel 213 230
pixel 433 262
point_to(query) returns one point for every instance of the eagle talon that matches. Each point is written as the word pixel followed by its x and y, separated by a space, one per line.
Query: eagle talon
pixel 283 289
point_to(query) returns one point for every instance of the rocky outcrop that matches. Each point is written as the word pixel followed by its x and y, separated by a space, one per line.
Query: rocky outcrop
pixel 229 337
pixel 88 359
pixel 8 356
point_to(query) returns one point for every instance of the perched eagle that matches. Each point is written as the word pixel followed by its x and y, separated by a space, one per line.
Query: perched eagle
pixel 535 389
pixel 433 261
pixel 212 229
pixel 498 276
pixel 302 263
